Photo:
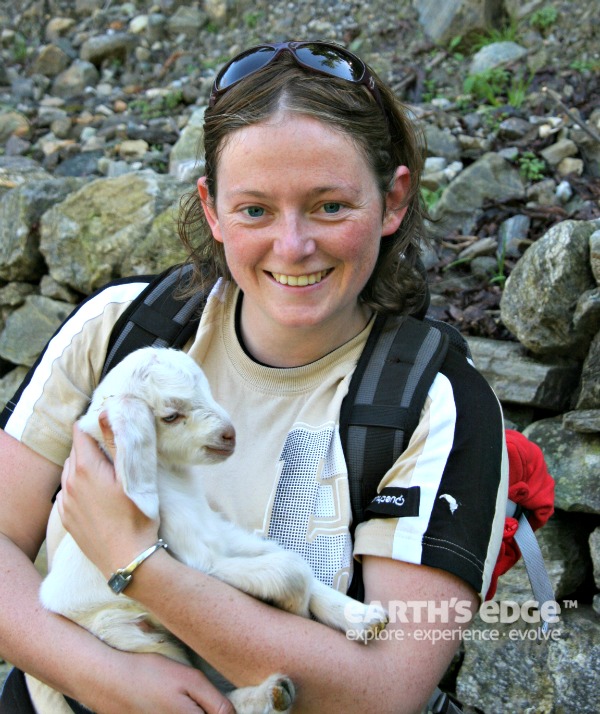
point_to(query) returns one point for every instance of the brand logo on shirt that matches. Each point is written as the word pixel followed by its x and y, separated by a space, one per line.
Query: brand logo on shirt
pixel 395 502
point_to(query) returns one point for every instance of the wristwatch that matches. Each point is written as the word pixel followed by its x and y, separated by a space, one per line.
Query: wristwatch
pixel 119 580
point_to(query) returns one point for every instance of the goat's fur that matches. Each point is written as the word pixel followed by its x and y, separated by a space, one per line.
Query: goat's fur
pixel 164 418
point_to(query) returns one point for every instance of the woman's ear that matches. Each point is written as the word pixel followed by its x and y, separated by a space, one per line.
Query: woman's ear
pixel 395 209
pixel 209 208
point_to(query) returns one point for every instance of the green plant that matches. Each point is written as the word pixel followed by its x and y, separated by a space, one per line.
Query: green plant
pixel 19 49
pixel 253 18
pixel 531 167
pixel 173 99
pixel 518 90
pixel 498 86
pixel 499 277
pixel 585 65
pixel 430 197
pixel 429 90
pixel 507 33
pixel 544 18
pixel 488 86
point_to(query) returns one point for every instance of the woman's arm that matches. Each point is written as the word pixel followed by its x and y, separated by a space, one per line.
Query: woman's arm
pixel 54 649
pixel 247 640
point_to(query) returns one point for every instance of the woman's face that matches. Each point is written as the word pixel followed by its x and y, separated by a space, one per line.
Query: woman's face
pixel 300 217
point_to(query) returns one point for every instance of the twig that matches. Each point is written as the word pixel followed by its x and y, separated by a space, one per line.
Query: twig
pixel 558 99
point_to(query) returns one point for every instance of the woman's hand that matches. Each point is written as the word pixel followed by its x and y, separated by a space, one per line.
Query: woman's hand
pixel 107 525
pixel 142 683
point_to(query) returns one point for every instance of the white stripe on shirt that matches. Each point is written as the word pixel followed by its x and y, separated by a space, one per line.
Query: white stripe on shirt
pixel 428 472
pixel 89 310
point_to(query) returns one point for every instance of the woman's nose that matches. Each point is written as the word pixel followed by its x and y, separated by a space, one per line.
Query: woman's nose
pixel 293 241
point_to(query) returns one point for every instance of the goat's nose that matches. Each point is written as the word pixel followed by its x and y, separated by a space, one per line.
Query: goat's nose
pixel 228 437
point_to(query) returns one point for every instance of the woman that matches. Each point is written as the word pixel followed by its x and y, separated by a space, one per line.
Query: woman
pixel 311 198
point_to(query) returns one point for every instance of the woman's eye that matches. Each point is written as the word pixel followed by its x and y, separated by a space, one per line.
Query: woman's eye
pixel 255 211
pixel 332 207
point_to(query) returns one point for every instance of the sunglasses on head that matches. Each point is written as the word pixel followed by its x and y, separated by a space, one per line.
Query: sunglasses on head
pixel 320 57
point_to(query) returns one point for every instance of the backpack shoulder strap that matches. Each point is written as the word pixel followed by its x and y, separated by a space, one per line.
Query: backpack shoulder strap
pixel 384 403
pixel 158 316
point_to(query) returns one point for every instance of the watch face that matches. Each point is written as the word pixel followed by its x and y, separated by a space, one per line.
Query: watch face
pixel 118 582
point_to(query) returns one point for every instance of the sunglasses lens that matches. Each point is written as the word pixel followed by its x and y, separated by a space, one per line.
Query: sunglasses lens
pixel 244 66
pixel 331 61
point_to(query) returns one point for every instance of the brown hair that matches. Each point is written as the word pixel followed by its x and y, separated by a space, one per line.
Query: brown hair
pixel 389 141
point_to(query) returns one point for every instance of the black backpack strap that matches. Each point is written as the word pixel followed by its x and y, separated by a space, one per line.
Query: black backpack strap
pixel 384 404
pixel 158 317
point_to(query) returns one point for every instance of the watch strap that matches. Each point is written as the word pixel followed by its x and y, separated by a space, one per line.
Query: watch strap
pixel 120 579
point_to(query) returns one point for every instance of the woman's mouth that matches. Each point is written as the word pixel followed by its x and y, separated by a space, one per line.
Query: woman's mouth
pixel 301 280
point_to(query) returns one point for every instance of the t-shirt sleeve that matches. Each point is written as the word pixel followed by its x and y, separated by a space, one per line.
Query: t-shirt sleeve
pixel 57 389
pixel 443 502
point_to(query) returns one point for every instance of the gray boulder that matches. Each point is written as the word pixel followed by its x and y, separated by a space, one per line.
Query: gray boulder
pixel 85 239
pixel 517 671
pixel 20 213
pixel 29 328
pixel 573 460
pixel 519 378
pixel 539 299
pixel 443 21
pixel 496 54
pixel 490 178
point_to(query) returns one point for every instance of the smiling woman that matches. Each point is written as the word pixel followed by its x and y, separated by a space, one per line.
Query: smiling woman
pixel 306 229
pixel 317 213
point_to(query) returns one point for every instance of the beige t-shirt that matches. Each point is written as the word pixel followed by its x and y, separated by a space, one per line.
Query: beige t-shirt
pixel 287 479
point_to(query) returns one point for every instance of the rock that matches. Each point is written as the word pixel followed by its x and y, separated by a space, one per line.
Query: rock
pixel 20 212
pixel 495 55
pixel 595 553
pixel 512 236
pixel 17 170
pixel 539 298
pixel 519 378
pixel 85 241
pixel 13 124
pixel 570 166
pixel 491 177
pixel 187 20
pixel 530 675
pixel 9 384
pixel 102 48
pixel 159 249
pixel 29 328
pixel 555 153
pixel 441 143
pixel 589 388
pixel 75 79
pixel 51 60
pixel 563 543
pixel 185 162
pixel 573 460
pixel 595 255
pixel 444 21
pixel 586 421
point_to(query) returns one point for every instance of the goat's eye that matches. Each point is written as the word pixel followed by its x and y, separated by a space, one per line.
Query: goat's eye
pixel 172 418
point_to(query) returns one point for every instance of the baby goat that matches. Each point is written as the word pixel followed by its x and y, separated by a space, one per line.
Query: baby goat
pixel 164 419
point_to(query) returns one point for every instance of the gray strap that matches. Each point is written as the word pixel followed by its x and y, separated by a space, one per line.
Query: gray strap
pixel 440 703
pixel 534 564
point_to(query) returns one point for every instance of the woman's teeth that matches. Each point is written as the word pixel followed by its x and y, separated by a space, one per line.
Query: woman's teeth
pixel 300 280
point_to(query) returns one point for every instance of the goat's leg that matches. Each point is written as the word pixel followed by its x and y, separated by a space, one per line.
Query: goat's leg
pixel 341 612
pixel 280 577
pixel 275 694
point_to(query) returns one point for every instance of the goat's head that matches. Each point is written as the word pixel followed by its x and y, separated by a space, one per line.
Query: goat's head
pixel 160 408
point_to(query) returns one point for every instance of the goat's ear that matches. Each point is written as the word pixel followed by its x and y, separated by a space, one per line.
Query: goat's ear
pixel 132 423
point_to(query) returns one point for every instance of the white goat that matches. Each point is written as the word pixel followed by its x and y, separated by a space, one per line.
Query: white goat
pixel 164 419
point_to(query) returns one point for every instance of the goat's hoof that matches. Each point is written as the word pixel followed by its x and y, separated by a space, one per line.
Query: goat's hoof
pixel 375 621
pixel 283 692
